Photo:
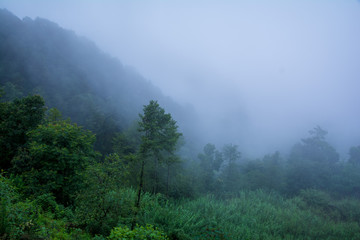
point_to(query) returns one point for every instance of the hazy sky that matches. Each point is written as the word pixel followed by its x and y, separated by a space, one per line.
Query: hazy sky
pixel 259 73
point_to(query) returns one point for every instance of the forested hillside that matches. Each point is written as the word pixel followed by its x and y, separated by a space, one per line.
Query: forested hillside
pixel 73 75
pixel 116 169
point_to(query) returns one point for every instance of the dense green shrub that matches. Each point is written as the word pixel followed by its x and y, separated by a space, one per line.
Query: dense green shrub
pixel 349 209
pixel 103 209
pixel 16 217
pixel 16 119
pixel 139 232
pixel 54 159
pixel 51 228
pixel 41 218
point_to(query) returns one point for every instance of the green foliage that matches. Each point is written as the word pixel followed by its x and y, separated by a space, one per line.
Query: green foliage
pixel 354 153
pixel 314 149
pixel 16 119
pixel 311 163
pixel 52 228
pixel 7 196
pixel 159 130
pixel 315 198
pixel 127 142
pixel 21 218
pixel 55 157
pixel 321 203
pixel 62 191
pixel 139 232
pixel 346 181
pixel 73 75
pixel 210 162
pixel 103 202
pixel 106 127
pixel 54 115
pixel 250 215
pixel 158 143
pixel 17 218
pixel 10 92
pixel 230 175
pixel 267 173
pixel 213 234
pixel 41 218
pixel 126 146
pixel 349 209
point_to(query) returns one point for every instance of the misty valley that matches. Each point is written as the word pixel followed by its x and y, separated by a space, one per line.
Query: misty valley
pixel 91 149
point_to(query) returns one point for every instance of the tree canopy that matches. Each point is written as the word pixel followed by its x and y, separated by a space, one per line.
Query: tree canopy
pixel 55 155
pixel 16 119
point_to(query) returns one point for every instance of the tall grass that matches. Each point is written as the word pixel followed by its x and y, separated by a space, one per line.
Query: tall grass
pixel 251 215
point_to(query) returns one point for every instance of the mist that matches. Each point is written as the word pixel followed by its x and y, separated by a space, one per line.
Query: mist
pixel 259 74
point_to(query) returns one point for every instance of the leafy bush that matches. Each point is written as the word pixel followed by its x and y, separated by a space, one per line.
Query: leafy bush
pixel 7 194
pixel 51 228
pixel 99 209
pixel 321 203
pixel 16 217
pixel 70 145
pixel 41 218
pixel 349 209
pixel 139 232
pixel 315 198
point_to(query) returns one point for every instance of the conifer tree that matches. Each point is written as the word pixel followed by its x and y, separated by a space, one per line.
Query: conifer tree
pixel 159 138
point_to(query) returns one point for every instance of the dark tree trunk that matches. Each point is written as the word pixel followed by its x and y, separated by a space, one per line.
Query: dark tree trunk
pixel 167 180
pixel 138 199
pixel 156 185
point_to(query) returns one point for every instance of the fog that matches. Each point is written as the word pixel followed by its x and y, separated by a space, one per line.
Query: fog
pixel 259 74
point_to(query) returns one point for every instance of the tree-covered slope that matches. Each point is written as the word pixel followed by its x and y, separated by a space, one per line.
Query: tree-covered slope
pixel 73 75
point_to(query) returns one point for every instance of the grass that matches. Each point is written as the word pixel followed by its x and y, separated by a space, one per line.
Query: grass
pixel 250 215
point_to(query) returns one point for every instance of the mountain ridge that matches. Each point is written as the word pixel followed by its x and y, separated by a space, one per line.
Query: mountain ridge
pixel 74 75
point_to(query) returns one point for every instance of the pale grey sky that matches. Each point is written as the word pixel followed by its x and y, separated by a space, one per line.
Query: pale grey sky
pixel 259 73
